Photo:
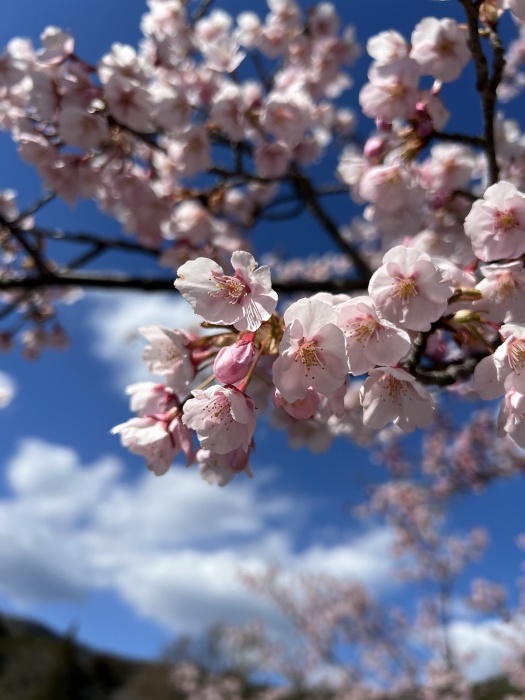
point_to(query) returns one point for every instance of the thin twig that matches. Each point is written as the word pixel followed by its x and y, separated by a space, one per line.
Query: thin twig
pixel 36 206
pixel 32 250
pixel 201 11
pixel 306 191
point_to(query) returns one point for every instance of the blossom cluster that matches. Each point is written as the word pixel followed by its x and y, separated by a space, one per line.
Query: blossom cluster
pixel 445 293
pixel 305 359
pixel 189 151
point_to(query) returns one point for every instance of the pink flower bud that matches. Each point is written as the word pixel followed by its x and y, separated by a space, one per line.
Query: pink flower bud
pixel 374 148
pixel 233 362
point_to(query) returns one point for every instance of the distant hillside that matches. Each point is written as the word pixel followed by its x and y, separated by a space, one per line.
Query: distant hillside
pixel 38 664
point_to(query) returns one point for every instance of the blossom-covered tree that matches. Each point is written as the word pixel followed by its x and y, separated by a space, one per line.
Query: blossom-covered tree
pixel 217 125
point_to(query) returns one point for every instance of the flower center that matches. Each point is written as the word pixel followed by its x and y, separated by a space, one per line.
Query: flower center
pixel 517 355
pixel 397 91
pixel 445 47
pixel 505 220
pixel 364 330
pixel 233 289
pixel 507 286
pixel 308 354
pixel 395 388
pixel 405 289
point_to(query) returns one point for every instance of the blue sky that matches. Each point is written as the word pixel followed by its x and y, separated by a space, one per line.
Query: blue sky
pixel 89 538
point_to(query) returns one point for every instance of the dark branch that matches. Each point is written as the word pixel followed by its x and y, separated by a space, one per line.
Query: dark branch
pixel 448 375
pixel 44 199
pixel 94 240
pixel 32 250
pixel 476 141
pixel 486 85
pixel 201 11
pixel 103 280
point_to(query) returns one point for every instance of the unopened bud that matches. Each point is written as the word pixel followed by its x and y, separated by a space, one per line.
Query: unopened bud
pixel 233 362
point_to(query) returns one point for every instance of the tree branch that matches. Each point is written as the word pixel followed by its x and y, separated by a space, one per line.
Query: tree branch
pixel 476 141
pixel 94 240
pixel 486 85
pixel 448 375
pixel 103 280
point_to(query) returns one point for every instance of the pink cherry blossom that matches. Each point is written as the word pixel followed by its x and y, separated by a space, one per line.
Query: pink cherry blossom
pixel 149 398
pixel 392 91
pixel 272 159
pixel 390 187
pixel 301 408
pixel 223 418
pixel 243 300
pixel 129 103
pixel 387 47
pixel 496 223
pixel 409 289
pixel 394 395
pixel 157 438
pixel 77 127
pixel 168 354
pixel 57 46
pixel 312 351
pixel 369 340
pixel 503 289
pixel 220 469
pixel 505 368
pixel 511 417
pixel 440 48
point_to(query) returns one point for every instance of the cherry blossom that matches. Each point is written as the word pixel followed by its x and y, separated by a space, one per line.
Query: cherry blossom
pixel 220 469
pixel 223 418
pixel 244 300
pixel 369 340
pixel 157 438
pixel 300 408
pixel 312 351
pixel 392 90
pixel 440 48
pixel 393 395
pixel 387 47
pixel 151 398
pixel 504 369
pixel 409 289
pixel 511 417
pixel 503 287
pixel 169 354
pixel 496 223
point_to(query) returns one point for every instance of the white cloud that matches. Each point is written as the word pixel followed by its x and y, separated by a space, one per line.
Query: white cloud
pixel 171 547
pixel 7 389
pixel 115 320
pixel 481 646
